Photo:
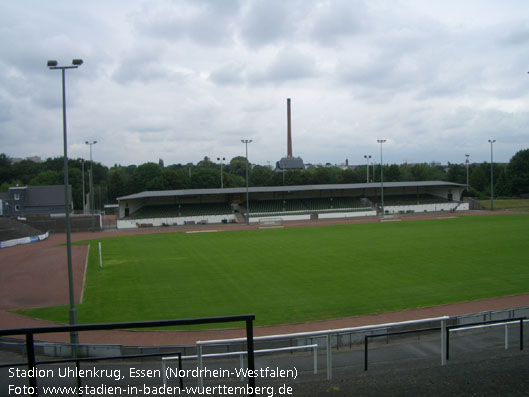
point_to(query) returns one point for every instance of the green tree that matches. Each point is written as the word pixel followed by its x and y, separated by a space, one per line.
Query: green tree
pixel 206 163
pixel 231 180
pixel 295 177
pixel 392 173
pixel 351 176
pixel 4 187
pixel 118 182
pixel 238 166
pixel 75 180
pixel 405 173
pixel 326 175
pixel 48 178
pixel 147 176
pixel 26 170
pixel 479 179
pixel 457 173
pixel 205 178
pixel 262 176
pixel 175 179
pixel 517 173
pixel 426 172
pixel 6 173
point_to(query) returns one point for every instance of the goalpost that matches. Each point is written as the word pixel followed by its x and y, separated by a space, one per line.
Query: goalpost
pixel 267 223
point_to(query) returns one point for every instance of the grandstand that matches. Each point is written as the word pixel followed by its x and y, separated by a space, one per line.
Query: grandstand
pixel 14 232
pixel 180 207
pixel 11 229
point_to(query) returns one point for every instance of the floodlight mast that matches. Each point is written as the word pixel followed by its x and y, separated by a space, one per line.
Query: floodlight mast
pixel 367 157
pixel 246 142
pixel 491 141
pixel 54 65
pixel 467 164
pixel 221 159
pixel 381 141
pixel 91 183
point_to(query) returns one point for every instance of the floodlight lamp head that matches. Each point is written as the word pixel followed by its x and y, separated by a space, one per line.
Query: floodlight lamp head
pixel 77 62
pixel 52 63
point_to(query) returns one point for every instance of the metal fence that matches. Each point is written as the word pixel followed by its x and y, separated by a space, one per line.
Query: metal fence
pixel 31 332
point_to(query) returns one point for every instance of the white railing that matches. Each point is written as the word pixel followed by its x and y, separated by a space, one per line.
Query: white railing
pixel 327 335
pixel 506 324
pixel 241 354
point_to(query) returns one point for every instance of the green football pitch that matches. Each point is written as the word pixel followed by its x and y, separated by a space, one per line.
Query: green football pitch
pixel 301 274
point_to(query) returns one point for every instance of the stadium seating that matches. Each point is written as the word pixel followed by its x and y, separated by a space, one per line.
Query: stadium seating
pixel 305 206
pixel 282 207
pixel 179 210
pixel 412 199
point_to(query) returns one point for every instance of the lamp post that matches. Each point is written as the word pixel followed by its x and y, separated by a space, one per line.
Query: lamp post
pixel 381 141
pixel 221 159
pixel 467 163
pixel 491 141
pixel 82 173
pixel 246 142
pixel 91 182
pixel 367 157
pixel 53 65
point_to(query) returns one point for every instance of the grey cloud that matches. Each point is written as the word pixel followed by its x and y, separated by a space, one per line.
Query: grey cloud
pixel 228 74
pixel 144 72
pixel 6 109
pixel 267 21
pixel 182 73
pixel 205 22
pixel 288 65
pixel 517 34
pixel 337 19
pixel 143 63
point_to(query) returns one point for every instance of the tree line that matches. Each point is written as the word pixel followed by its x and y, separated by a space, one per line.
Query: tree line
pixel 510 179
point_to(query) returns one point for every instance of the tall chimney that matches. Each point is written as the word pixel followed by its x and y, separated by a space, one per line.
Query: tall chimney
pixel 289 131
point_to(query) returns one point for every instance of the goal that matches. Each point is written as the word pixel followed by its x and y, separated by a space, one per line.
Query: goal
pixel 265 223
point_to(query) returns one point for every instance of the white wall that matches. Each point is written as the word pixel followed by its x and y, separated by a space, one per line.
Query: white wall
pixel 356 214
pixel 155 222
pixel 306 217
pixel 395 209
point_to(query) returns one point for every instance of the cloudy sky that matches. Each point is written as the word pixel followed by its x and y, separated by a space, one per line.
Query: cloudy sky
pixel 184 79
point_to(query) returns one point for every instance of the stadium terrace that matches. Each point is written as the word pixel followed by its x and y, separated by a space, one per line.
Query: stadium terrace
pixel 286 203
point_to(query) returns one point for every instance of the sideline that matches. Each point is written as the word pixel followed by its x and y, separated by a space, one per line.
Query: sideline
pixel 190 337
pixel 84 274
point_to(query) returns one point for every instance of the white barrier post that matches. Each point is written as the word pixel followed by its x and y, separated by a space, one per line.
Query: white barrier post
pixel 315 353
pixel 506 337
pixel 199 357
pixel 443 342
pixel 100 257
pixel 241 362
pixel 329 357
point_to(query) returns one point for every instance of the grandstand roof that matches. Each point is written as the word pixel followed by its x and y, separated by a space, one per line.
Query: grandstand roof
pixel 262 189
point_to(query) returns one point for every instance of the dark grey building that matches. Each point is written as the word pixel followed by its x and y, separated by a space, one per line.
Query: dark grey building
pixel 291 163
pixel 29 200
